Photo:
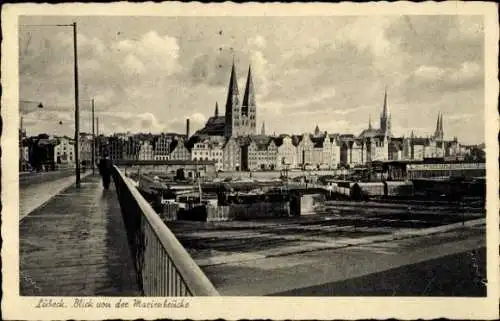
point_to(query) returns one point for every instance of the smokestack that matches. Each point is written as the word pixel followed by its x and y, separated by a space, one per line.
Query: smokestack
pixel 187 128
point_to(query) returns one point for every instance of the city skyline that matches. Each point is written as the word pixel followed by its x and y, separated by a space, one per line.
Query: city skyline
pixel 148 74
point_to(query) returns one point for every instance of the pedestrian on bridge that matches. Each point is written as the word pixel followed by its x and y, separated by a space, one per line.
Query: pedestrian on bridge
pixel 105 167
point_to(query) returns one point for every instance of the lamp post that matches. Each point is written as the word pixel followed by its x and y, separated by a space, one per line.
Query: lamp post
pixel 21 129
pixel 39 105
pixel 93 140
pixel 77 109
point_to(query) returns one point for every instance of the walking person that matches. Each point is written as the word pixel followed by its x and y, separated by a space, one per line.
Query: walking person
pixel 105 167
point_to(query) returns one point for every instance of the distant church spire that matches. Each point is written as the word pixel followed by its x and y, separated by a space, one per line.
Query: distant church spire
pixel 436 132
pixel 263 129
pixel 370 122
pixel 216 109
pixel 316 131
pixel 232 102
pixel 439 133
pixel 384 117
pixel 233 83
pixel 385 111
pixel 248 96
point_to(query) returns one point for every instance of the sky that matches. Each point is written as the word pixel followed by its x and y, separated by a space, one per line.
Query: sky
pixel 148 74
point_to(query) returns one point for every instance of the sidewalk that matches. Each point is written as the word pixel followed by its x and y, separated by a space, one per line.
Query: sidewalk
pixel 76 245
pixel 33 196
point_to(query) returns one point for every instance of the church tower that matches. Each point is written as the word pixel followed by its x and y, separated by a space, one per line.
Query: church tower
pixel 232 106
pixel 385 120
pixel 439 133
pixel 248 107
pixel 441 130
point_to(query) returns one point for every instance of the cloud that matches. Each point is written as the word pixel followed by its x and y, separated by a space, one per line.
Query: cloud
pixel 133 65
pixel 156 52
pixel 257 42
pixel 439 40
pixel 429 72
pixel 306 70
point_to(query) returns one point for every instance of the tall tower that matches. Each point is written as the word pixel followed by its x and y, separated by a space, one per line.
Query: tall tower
pixel 216 114
pixel 232 106
pixel 248 107
pixel 436 131
pixel 317 131
pixel 384 117
pixel 442 130
pixel 263 129
pixel 439 133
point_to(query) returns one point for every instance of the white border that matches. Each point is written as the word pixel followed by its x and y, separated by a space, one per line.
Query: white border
pixel 15 307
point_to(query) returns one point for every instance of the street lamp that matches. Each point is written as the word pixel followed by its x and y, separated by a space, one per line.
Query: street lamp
pixel 77 109
pixel 39 105
pixel 21 133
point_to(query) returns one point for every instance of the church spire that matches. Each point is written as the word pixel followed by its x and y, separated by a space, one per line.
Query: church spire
pixel 233 83
pixel 231 103
pixel 384 117
pixel 316 131
pixel 441 130
pixel 248 96
pixel 385 111
pixel 438 134
pixel 263 129
pixel 370 122
pixel 216 109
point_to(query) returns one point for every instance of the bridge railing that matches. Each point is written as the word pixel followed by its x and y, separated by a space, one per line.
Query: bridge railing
pixel 162 264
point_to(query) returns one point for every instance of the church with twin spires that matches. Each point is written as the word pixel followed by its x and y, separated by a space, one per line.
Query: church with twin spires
pixel 232 139
pixel 240 117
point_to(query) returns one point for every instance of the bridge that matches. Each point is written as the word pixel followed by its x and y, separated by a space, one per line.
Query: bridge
pixel 89 241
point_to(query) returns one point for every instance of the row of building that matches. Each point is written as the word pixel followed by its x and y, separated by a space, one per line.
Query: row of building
pixel 319 150
pixel 231 142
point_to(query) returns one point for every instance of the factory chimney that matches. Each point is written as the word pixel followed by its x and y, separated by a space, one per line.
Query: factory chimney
pixel 187 128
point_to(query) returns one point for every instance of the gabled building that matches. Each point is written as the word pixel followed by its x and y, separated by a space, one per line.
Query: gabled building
pixel 357 152
pixel 305 150
pixel 208 149
pixel 146 150
pixel 115 148
pixel 231 155
pixel 162 146
pixel 320 151
pixel 178 150
pixel 64 150
pixel 287 152
pixel 331 151
pixel 131 148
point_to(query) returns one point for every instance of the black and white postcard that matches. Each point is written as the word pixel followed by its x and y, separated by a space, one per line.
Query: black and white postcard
pixel 241 161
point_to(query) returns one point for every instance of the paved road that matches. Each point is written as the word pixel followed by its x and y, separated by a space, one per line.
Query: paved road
pixel 36 191
pixel 76 245
pixel 29 179
pixel 451 275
